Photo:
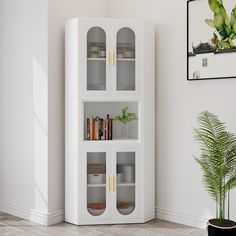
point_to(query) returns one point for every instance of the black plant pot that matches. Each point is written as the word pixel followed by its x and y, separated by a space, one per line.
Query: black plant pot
pixel 214 230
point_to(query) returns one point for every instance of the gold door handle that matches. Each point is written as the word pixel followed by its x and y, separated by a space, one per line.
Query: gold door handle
pixel 109 58
pixel 114 58
pixel 114 183
pixel 109 183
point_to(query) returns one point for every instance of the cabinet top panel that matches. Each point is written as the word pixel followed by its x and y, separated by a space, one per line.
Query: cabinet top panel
pixel 99 20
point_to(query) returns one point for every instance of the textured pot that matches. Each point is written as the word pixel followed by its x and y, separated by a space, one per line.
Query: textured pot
pixel 214 230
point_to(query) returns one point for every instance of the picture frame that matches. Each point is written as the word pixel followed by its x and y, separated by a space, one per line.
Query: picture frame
pixel 211 39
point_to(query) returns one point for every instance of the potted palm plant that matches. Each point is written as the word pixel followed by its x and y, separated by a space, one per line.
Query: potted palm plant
pixel 218 164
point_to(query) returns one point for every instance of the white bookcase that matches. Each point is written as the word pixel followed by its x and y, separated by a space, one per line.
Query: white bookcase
pixel 109 65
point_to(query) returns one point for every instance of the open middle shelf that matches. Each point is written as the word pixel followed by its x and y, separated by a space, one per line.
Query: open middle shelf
pixel 99 123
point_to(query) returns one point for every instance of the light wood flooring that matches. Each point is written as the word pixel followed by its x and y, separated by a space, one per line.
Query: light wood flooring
pixel 14 226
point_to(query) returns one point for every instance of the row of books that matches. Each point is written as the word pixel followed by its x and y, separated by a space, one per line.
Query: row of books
pixel 99 128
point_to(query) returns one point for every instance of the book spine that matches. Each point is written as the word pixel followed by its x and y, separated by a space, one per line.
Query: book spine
pixel 91 128
pixel 105 129
pixel 110 129
pixel 94 130
pixel 88 129
pixel 100 129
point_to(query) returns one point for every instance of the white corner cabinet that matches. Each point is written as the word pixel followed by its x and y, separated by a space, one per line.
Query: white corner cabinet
pixel 110 178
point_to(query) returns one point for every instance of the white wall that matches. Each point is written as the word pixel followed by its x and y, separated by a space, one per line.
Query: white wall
pixel 23 106
pixel 32 104
pixel 180 195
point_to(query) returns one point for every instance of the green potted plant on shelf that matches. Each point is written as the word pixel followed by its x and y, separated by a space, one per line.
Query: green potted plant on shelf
pixel 218 164
pixel 125 117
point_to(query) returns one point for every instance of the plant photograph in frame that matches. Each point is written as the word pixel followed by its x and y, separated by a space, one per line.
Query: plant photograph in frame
pixel 211 39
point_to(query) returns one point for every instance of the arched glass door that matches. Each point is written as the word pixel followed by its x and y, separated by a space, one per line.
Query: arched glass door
pixel 125 60
pixel 96 183
pixel 125 182
pixel 96 59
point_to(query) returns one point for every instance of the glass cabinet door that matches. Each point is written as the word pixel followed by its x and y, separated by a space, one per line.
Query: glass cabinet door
pixel 125 60
pixel 96 59
pixel 125 182
pixel 96 182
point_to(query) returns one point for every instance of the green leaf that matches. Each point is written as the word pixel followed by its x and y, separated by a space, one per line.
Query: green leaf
pixel 234 27
pixel 210 23
pixel 125 116
pixel 227 21
pixel 232 19
pixel 224 45
pixel 214 5
pixel 233 37
pixel 234 11
pixel 219 22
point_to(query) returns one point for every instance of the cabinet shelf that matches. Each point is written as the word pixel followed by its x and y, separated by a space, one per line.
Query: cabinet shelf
pixel 114 141
pixel 96 58
pixel 96 185
pixel 126 184
pixel 104 185
pixel 126 59
pixel 103 59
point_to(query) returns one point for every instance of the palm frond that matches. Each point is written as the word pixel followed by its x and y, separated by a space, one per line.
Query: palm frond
pixel 218 158
pixel 211 183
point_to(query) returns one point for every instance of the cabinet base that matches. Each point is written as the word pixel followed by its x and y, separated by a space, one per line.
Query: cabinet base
pixel 108 222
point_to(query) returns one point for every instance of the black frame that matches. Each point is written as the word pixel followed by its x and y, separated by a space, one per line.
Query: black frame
pixel 210 78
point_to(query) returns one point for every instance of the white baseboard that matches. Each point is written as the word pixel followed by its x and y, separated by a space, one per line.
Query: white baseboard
pixel 181 218
pixel 32 215
pixel 58 216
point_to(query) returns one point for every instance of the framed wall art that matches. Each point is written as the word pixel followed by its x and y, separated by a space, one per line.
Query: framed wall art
pixel 211 39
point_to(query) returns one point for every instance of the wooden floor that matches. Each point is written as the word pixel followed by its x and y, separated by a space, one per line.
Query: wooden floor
pixel 14 226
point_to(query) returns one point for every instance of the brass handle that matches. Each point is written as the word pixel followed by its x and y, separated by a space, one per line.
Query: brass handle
pixel 114 183
pixel 109 184
pixel 114 58
pixel 109 58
